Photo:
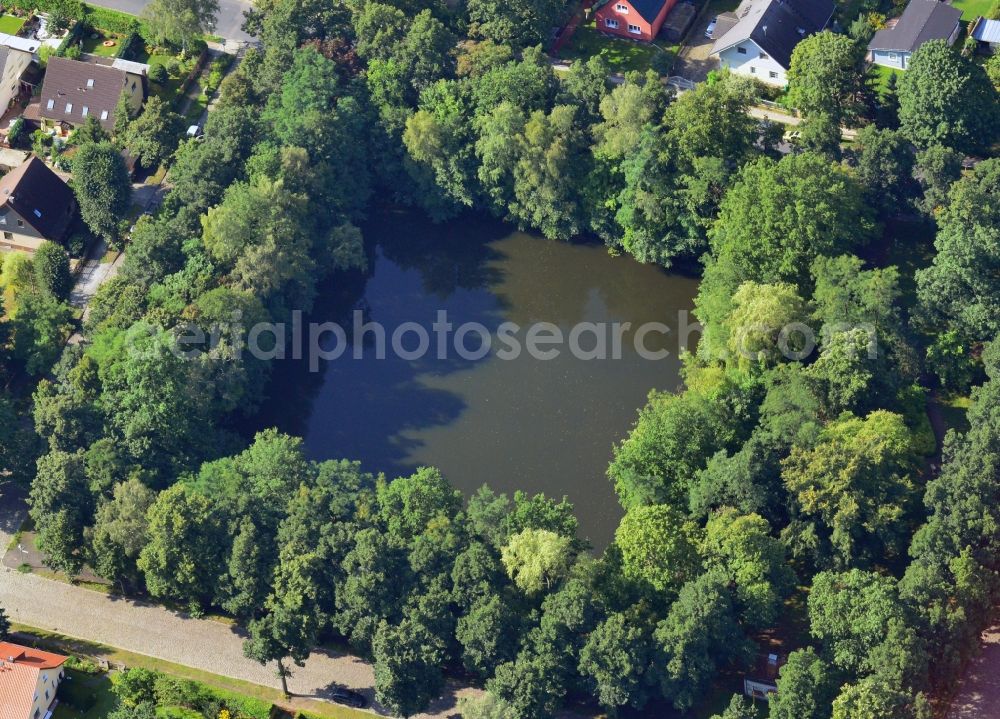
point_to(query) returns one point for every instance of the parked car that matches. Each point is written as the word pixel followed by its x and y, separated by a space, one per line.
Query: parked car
pixel 348 698
pixel 710 30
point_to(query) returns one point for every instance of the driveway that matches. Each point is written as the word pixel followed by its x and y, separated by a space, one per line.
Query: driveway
pixel 227 24
pixel 694 61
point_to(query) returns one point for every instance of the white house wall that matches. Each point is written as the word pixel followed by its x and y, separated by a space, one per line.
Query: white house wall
pixel 753 65
pixel 17 63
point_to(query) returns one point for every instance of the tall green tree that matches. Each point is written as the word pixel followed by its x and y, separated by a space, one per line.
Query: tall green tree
pixel 180 22
pixel 961 288
pixel 407 667
pixel 184 557
pixel 947 99
pixel 52 275
pixel 659 547
pixel 827 76
pixel 120 531
pixel 153 136
pixel 103 188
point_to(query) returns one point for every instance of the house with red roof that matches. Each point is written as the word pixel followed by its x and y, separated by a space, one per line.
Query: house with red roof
pixel 634 19
pixel 28 681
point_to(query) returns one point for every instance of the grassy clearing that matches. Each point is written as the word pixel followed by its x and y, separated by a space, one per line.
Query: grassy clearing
pixel 882 75
pixel 10 24
pixel 620 54
pixel 954 411
pixel 53 641
pixel 971 9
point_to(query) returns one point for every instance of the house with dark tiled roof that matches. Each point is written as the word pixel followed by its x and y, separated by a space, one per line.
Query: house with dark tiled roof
pixel 921 21
pixel 757 39
pixel 74 90
pixel 634 19
pixel 35 205
pixel 29 679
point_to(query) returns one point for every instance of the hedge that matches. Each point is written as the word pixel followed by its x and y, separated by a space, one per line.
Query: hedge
pixel 111 20
pixel 130 47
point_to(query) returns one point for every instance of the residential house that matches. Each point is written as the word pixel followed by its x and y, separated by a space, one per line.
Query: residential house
pixel 74 90
pixel 16 53
pixel 28 681
pixel 922 20
pixel 35 205
pixel 986 32
pixel 634 19
pixel 758 39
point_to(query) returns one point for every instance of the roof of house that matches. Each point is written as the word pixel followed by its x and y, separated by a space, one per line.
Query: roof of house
pixel 776 26
pixel 45 202
pixel 987 30
pixel 922 20
pixel 73 86
pixel 648 9
pixel 19 667
pixel 24 44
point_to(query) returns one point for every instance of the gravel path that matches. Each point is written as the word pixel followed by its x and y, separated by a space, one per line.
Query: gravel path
pixel 154 631
pixel 979 692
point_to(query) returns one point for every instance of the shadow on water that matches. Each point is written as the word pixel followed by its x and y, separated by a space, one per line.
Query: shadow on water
pixel 415 268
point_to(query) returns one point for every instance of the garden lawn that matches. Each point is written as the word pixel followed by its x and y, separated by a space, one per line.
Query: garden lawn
pixel 11 25
pixel 971 9
pixel 882 75
pixel 95 45
pixel 97 685
pixel 621 55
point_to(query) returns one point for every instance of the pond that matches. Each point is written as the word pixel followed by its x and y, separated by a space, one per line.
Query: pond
pixel 539 425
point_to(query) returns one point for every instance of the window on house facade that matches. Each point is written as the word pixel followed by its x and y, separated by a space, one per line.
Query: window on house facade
pixel 774 75
pixel 634 29
pixel 763 56
pixel 611 23
pixel 20 223
pixel 753 70
pixel 90 83
pixel 622 8
pixel 85 111
pixel 69 107
pixel 893 56
pixel 50 104
pixel 104 114
pixel 741 50
pixel 8 235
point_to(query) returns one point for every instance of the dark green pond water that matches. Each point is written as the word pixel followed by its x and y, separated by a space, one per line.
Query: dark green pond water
pixel 525 423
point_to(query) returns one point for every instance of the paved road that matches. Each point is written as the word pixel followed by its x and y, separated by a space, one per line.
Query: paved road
pixel 227 24
pixel 199 643
pixel 157 632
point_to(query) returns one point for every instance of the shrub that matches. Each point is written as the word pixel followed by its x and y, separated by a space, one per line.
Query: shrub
pixel 135 686
pixel 52 270
pixel 82 665
pixel 15 136
pixel 158 74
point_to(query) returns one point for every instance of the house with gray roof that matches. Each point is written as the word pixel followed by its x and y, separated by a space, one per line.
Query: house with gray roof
pixel 757 40
pixel 921 21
